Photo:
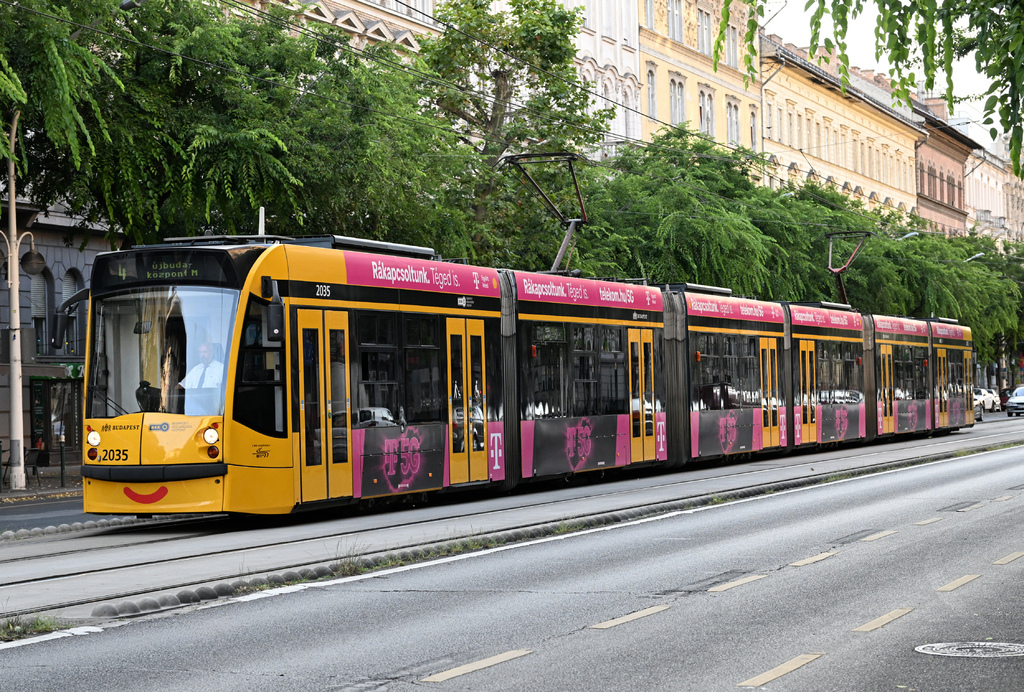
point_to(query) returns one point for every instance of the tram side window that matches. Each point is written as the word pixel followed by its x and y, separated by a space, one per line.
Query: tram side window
pixel 824 373
pixel 707 371
pixel 259 389
pixel 730 392
pixel 614 393
pixel 750 381
pixel 852 373
pixel 920 373
pixel 584 356
pixel 546 391
pixel 377 393
pixel 424 377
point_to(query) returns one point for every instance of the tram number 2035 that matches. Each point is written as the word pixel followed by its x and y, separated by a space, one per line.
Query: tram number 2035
pixel 113 455
pixel 323 291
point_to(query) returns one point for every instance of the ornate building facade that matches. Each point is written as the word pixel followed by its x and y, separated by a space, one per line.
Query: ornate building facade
pixel 941 159
pixel 852 139
pixel 680 84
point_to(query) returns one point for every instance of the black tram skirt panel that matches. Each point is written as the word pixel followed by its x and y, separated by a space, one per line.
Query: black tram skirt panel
pixel 912 415
pixel 716 433
pixel 390 461
pixel 568 445
pixel 841 422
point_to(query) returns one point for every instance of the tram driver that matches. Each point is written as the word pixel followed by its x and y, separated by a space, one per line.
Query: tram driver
pixel 203 382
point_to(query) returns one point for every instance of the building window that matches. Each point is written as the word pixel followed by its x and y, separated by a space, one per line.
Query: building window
pixel 707 113
pixel 732 122
pixel 753 131
pixel 676 101
pixel 651 95
pixel 42 307
pixel 704 32
pixel 789 130
pixel 732 47
pixel 768 125
pixel 649 13
pixel 675 20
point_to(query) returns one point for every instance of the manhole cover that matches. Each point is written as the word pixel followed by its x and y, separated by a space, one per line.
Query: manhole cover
pixel 973 649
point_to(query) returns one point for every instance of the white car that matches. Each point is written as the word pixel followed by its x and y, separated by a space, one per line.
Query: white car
pixel 988 401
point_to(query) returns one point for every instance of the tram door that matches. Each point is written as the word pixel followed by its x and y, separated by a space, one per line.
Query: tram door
pixel 885 388
pixel 808 390
pixel 324 405
pixel 942 385
pixel 467 402
pixel 769 393
pixel 641 393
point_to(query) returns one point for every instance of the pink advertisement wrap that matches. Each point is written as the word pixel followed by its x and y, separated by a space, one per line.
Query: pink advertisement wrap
pixel 757 436
pixel 358 444
pixel 950 331
pixel 862 426
pixel 496 450
pixel 560 289
pixel 421 275
pixel 733 308
pixel 783 435
pixel 660 438
pixel 900 325
pixel 806 316
pixel 622 451
pixel 526 430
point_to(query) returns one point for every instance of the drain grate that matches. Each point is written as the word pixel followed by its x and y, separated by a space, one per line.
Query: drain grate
pixel 973 649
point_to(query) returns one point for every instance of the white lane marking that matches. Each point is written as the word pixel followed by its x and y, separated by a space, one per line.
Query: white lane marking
pixel 1008 559
pixel 778 671
pixel 882 621
pixel 608 624
pixel 815 558
pixel 876 536
pixel 956 584
pixel 476 665
pixel 927 521
pixel 735 583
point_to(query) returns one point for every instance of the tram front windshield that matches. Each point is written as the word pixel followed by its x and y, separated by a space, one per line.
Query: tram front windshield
pixel 160 349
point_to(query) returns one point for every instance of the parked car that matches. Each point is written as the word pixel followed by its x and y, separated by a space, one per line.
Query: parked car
pixel 1004 395
pixel 987 399
pixel 996 404
pixel 1015 404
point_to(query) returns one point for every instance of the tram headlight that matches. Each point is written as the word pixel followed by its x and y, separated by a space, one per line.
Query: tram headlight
pixel 211 436
pixel 93 438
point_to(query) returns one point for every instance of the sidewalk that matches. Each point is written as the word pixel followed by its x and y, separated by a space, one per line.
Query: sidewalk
pixel 48 483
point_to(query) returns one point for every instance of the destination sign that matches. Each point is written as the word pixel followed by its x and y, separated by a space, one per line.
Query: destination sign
pixel 161 266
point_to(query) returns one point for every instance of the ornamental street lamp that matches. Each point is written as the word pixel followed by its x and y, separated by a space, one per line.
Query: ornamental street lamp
pixel 32 263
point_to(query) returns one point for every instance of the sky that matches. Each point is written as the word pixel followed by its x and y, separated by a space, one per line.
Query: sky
pixel 792 23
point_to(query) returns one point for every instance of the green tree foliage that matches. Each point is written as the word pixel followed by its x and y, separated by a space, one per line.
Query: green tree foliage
pixel 505 82
pixel 47 79
pixel 682 210
pixel 923 34
pixel 224 113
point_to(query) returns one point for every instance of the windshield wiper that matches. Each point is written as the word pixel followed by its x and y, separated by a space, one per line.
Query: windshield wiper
pixel 117 407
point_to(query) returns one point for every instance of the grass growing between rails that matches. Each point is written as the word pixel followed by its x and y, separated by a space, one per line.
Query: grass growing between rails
pixel 15 628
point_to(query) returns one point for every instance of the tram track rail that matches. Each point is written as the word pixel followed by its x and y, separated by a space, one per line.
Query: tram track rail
pixel 34 574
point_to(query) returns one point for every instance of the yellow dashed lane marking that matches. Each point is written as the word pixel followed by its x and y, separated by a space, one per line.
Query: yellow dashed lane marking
pixel 1008 559
pixel 876 536
pixel 779 671
pixel 811 560
pixel 882 621
pixel 478 665
pixel 738 582
pixel 629 618
pixel 959 582
pixel 928 521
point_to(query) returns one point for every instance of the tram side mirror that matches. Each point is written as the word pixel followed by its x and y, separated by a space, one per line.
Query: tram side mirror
pixel 60 330
pixel 275 315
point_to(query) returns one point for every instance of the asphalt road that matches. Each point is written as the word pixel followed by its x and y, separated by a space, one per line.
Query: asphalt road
pixel 706 599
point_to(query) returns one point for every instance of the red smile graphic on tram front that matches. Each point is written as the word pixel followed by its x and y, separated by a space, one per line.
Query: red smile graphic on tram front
pixel 155 496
